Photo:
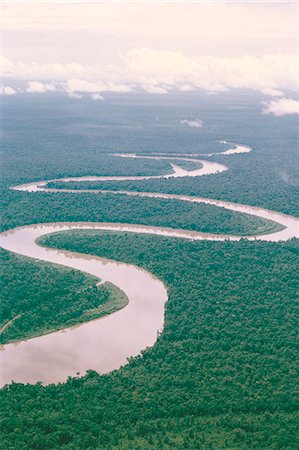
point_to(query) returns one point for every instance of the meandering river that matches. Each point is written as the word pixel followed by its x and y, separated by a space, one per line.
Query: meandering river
pixel 105 344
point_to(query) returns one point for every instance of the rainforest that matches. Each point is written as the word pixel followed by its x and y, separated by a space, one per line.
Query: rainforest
pixel 219 367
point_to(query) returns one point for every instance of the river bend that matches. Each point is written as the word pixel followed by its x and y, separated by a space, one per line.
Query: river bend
pixel 105 344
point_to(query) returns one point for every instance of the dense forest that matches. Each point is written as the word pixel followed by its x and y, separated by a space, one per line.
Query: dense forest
pixel 39 298
pixel 228 185
pixel 23 208
pixel 221 375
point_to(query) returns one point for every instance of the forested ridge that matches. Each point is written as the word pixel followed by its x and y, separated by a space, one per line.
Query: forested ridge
pixel 221 375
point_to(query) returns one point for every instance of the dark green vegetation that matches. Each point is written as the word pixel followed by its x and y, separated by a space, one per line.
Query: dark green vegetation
pixel 221 375
pixel 121 208
pixel 228 185
pixel 43 298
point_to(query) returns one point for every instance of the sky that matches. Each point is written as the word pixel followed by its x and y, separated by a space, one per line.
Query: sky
pixel 87 49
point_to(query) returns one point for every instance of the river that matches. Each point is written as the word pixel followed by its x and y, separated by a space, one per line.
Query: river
pixel 105 344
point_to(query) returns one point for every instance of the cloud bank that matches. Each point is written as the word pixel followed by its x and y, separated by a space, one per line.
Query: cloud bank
pixel 114 47
pixel 211 28
pixel 281 107
pixel 163 71
pixel 36 87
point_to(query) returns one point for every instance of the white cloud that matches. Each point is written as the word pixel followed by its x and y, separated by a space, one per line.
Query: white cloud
pixel 97 97
pixel 186 88
pixel 7 66
pixel 154 89
pixel 214 74
pixel 73 95
pixel 162 71
pixel 196 123
pixel 213 46
pixel 36 87
pixel 50 87
pixel 281 107
pixel 7 90
pixel 44 71
pixel 272 92
pixel 77 85
pixel 122 88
